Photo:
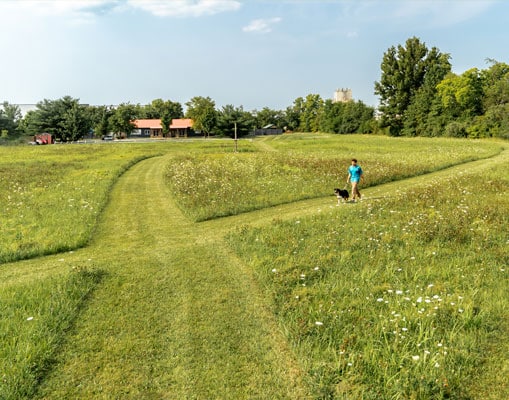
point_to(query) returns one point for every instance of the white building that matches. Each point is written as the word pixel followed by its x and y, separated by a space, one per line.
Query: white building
pixel 25 108
pixel 342 95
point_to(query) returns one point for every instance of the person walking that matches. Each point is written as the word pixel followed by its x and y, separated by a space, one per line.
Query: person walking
pixel 355 175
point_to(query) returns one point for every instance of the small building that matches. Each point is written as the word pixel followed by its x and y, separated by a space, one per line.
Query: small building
pixel 181 127
pixel 147 128
pixel 269 129
pixel 43 138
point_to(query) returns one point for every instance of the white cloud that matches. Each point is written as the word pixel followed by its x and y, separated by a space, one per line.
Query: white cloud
pixel 87 10
pixel 76 11
pixel 261 25
pixel 184 8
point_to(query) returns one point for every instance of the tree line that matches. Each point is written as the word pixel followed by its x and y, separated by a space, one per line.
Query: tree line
pixel 68 120
pixel 418 92
pixel 421 96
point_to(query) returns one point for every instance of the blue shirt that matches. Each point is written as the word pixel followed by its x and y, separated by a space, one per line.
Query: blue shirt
pixel 355 171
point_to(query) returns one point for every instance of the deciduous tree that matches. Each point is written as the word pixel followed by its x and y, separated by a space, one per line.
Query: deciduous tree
pixel 166 111
pixel 64 118
pixel 99 117
pixel 10 116
pixel 121 122
pixel 404 72
pixel 203 113
pixel 309 117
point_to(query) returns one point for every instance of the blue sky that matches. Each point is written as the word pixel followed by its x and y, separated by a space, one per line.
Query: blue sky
pixel 253 54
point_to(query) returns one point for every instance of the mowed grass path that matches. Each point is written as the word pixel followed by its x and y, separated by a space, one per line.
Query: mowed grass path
pixel 178 315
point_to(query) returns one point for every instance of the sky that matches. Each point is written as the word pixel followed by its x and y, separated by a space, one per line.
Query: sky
pixel 251 54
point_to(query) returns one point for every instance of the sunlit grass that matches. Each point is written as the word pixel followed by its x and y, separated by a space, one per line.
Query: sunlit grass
pixel 305 166
pixel 51 196
pixel 34 316
pixel 399 298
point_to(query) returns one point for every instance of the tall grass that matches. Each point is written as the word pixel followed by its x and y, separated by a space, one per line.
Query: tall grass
pixel 34 317
pixel 214 185
pixel 51 196
pixel 397 299
pixel 401 297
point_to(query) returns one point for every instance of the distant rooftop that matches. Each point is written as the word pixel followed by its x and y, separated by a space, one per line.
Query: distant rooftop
pixel 25 108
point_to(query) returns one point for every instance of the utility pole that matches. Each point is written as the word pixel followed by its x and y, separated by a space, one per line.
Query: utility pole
pixel 235 123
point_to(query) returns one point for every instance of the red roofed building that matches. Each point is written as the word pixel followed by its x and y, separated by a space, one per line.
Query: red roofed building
pixel 181 127
pixel 147 128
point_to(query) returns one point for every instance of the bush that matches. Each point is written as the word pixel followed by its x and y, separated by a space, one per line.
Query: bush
pixel 456 129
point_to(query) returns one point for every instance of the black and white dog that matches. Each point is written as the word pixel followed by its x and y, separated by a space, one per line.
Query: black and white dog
pixel 341 194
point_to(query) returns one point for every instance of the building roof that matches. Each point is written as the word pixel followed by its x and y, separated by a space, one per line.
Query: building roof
pixel 147 123
pixel 181 123
pixel 269 126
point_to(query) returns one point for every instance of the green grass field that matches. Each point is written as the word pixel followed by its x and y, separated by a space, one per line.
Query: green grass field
pixel 183 270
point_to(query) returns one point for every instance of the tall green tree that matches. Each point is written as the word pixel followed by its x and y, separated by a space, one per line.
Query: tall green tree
pixel 74 123
pixel 404 71
pixel 121 122
pixel 166 111
pixel 309 117
pixel 203 113
pixel 349 117
pixel 267 116
pixel 64 118
pixel 495 118
pixel 496 84
pixel 461 96
pixel 230 117
pixel 10 117
pixel 416 119
pixel 292 115
pixel 99 119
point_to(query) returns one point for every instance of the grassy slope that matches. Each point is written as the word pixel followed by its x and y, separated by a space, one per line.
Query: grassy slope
pixel 177 314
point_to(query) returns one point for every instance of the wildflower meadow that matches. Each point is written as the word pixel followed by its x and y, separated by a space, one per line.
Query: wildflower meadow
pixel 186 269
pixel 304 166
pixel 402 296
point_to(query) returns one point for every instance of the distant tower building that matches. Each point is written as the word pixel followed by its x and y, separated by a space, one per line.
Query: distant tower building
pixel 342 95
